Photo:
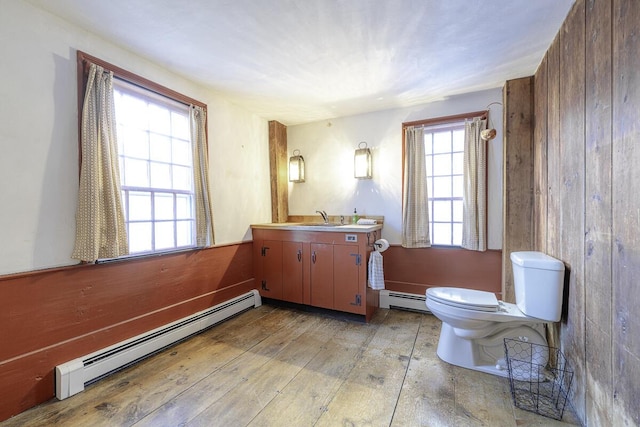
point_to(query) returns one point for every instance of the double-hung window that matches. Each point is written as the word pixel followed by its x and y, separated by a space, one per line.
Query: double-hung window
pixel 156 169
pixel 162 161
pixel 444 148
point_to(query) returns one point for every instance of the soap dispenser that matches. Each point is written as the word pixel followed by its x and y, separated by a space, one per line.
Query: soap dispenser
pixel 355 216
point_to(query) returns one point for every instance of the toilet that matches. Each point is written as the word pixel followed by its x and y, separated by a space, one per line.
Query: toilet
pixel 475 323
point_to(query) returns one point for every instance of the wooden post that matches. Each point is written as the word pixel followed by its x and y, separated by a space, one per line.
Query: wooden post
pixel 278 171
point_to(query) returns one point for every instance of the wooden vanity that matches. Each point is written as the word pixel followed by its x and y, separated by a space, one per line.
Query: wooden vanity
pixel 319 266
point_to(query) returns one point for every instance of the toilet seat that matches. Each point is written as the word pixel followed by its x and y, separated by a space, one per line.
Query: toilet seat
pixel 468 299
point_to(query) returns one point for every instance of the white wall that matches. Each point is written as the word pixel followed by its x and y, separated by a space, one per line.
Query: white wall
pixel 328 149
pixel 39 143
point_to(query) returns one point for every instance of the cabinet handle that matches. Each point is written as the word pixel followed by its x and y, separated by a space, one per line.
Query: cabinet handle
pixel 313 257
pixel 299 255
pixel 358 259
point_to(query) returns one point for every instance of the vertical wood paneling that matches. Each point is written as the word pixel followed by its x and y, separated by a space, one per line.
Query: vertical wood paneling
pixel 593 222
pixel 279 171
pixel 518 176
pixel 553 149
pixel 540 97
pixel 597 264
pixel 572 189
pixel 626 211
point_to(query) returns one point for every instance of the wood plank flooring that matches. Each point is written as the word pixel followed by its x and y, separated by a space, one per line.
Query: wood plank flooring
pixel 274 366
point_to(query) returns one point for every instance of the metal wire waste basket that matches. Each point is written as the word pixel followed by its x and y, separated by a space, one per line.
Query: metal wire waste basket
pixel 539 377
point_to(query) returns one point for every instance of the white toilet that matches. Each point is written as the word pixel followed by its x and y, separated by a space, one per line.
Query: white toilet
pixel 475 323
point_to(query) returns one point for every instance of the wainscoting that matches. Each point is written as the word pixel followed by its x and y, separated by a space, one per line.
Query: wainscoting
pixel 415 270
pixel 51 316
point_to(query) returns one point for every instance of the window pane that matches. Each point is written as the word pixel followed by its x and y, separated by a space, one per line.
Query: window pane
pixel 441 211
pixel 183 206
pixel 184 233
pixel 140 237
pixel 458 163
pixel 457 210
pixel 442 142
pixel 457 234
pixel 442 164
pixel 159 119
pixel 441 187
pixel 160 148
pixel 160 175
pixel 181 152
pixel 132 111
pixel 441 234
pixel 139 206
pixel 458 140
pixel 180 126
pixel 135 142
pixel 458 186
pixel 181 178
pixel 136 173
pixel 428 143
pixel 163 206
pixel 164 235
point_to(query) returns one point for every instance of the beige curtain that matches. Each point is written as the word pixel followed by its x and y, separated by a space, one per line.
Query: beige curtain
pixel 100 227
pixel 204 217
pixel 415 200
pixel 474 215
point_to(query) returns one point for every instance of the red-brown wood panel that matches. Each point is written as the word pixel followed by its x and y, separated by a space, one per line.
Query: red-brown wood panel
pixel 53 316
pixel 415 270
pixel 346 280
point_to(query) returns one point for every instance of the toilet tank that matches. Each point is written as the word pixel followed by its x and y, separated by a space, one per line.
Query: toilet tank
pixel 539 282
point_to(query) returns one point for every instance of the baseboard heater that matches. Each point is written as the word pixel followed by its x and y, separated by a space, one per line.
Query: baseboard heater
pixel 73 376
pixel 403 300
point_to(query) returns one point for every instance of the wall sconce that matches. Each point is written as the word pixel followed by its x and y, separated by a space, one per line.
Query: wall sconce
pixel 362 162
pixel 296 167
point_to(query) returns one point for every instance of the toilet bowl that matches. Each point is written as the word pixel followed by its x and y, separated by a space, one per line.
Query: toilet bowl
pixel 475 323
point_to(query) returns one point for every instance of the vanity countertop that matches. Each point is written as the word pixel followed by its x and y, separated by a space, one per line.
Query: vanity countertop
pixel 316 226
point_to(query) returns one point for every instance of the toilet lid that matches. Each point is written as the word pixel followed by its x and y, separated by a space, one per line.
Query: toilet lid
pixel 469 299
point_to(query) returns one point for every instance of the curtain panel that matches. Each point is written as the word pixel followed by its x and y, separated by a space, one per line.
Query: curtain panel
pixel 474 216
pixel 204 215
pixel 100 225
pixel 415 199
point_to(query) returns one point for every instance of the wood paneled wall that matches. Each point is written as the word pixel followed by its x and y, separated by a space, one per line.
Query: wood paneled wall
pixel 587 203
pixel 415 270
pixel 52 316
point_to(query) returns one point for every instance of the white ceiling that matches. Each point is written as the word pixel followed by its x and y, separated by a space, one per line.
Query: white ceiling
pixel 300 61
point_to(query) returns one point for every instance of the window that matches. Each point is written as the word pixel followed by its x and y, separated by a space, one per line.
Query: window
pixel 444 142
pixel 444 148
pixel 156 169
pixel 163 172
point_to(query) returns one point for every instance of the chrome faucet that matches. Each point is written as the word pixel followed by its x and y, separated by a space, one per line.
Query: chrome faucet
pixel 324 215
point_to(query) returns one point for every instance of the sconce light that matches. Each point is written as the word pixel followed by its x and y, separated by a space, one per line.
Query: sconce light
pixel 296 167
pixel 362 162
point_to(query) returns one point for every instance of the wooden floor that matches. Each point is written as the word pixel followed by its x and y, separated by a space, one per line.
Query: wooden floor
pixel 274 366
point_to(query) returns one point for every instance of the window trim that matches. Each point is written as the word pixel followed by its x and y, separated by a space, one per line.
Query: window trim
pixel 443 120
pixel 83 61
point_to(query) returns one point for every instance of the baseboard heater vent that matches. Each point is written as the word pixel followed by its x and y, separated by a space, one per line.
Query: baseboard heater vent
pixel 73 376
pixel 403 300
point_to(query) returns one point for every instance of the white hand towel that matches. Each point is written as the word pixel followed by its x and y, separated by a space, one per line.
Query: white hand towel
pixel 376 274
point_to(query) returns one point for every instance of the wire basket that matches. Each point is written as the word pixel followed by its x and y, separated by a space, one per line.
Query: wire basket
pixel 539 377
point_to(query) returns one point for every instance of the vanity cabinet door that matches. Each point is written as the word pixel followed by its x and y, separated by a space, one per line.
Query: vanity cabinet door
pixel 322 275
pixel 270 281
pixel 292 271
pixel 346 279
